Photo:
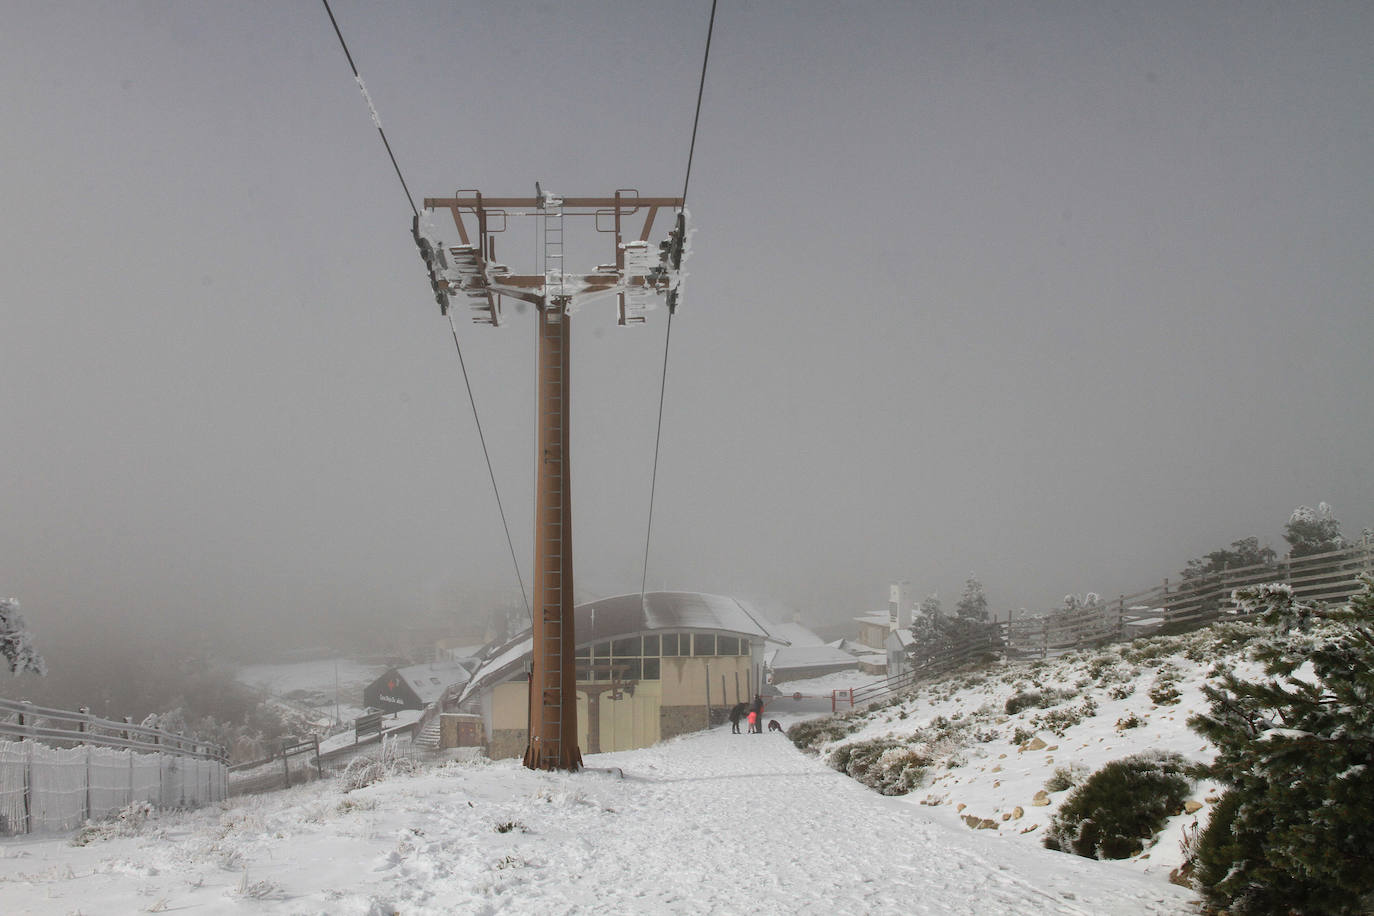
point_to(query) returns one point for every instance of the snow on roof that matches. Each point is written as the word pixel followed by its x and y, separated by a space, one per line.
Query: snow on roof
pixel 623 615
pixel 793 657
pixel 794 634
pixel 429 681
pixel 903 637
pixel 880 618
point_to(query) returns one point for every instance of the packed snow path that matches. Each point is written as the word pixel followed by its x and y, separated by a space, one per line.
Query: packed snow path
pixel 709 823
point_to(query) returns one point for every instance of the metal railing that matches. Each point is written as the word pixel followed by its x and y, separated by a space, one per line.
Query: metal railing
pixel 23 721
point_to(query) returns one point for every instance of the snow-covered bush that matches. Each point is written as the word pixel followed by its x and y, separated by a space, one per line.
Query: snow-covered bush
pixel 1034 699
pixel 1058 721
pixel 365 770
pixel 812 733
pixel 1066 777
pixel 1121 691
pixel 1297 748
pixel 127 821
pixel 1120 807
pixel 889 765
pixel 16 643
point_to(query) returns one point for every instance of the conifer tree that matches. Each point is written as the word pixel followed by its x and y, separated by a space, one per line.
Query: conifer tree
pixel 973 604
pixel 1297 748
pixel 16 644
pixel 1312 531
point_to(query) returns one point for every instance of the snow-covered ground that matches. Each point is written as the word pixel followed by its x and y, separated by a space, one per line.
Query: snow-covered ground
pixel 710 822
pixel 1117 701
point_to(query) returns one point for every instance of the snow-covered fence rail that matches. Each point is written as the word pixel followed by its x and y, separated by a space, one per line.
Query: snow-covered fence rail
pixel 63 728
pixel 60 768
pixel 1194 602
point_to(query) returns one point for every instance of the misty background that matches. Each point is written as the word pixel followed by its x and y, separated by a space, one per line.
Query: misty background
pixel 1061 295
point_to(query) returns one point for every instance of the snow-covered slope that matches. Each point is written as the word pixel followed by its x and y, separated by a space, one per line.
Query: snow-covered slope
pixel 711 822
pixel 1094 707
pixel 708 823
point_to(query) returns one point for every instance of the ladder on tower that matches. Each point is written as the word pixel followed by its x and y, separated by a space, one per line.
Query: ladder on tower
pixel 552 205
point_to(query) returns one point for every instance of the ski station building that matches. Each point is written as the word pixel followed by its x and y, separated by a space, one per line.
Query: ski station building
pixel 646 671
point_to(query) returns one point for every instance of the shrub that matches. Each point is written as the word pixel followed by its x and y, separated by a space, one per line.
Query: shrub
pixel 1058 721
pixel 127 821
pixel 1066 777
pixel 1033 699
pixel 1130 720
pixel 812 733
pixel 1164 693
pixel 890 766
pixel 1120 807
pixel 365 770
pixel 1121 691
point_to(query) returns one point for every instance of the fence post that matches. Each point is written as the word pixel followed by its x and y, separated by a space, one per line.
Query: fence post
pixel 88 814
pixel 286 763
pixel 708 694
pixel 28 786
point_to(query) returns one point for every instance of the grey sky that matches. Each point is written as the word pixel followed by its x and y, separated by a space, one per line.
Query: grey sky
pixel 1060 293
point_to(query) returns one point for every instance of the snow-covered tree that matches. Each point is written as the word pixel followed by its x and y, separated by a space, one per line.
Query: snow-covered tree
pixel 973 604
pixel 1312 531
pixel 1244 552
pixel 1297 748
pixel 930 606
pixel 16 643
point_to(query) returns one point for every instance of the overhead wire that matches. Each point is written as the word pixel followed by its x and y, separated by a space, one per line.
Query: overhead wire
pixel 457 346
pixel 668 334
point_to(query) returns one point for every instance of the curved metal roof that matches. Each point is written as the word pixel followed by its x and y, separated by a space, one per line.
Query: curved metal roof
pixel 623 615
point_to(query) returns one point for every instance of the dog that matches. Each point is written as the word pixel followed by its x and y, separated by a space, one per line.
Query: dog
pixel 773 725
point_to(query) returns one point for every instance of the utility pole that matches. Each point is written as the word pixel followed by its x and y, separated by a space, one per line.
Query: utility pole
pixel 639 278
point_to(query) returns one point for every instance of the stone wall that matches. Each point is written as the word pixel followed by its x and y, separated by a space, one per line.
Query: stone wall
pixel 507 742
pixel 679 720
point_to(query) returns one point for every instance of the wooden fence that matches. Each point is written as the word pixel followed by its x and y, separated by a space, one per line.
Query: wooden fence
pixel 1191 603
pixel 59 768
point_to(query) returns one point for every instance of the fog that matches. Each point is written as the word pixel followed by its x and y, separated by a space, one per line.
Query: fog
pixel 1060 295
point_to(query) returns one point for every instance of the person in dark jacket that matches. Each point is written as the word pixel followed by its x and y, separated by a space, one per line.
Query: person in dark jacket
pixel 736 713
pixel 757 710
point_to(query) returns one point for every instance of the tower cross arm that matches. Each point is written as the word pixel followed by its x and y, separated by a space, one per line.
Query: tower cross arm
pixel 626 204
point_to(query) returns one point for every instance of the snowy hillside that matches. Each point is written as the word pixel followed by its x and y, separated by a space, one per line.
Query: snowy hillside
pixel 1000 747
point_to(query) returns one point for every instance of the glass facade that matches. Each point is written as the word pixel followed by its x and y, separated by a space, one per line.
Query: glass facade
pixel 635 658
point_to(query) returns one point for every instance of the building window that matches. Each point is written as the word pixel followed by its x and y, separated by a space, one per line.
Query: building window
pixel 727 645
pixel 669 645
pixel 651 646
pixel 626 648
pixel 651 669
pixel 704 644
